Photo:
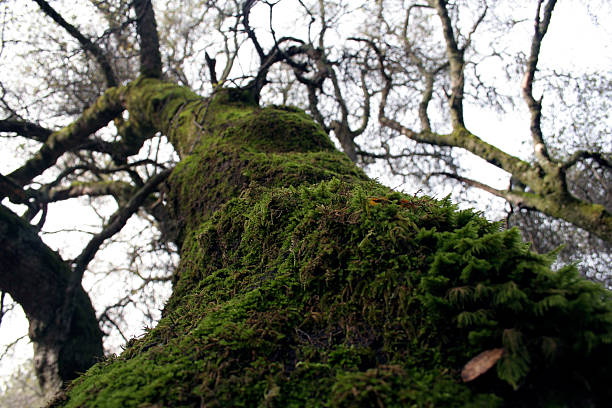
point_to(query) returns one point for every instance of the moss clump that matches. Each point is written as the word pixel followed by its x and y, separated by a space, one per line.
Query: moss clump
pixel 231 171
pixel 278 130
pixel 345 294
pixel 245 146
pixel 303 283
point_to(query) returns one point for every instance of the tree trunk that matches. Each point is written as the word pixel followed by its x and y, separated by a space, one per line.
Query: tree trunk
pixel 65 334
pixel 303 283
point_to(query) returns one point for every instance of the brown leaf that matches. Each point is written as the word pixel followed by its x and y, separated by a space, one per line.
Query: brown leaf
pixel 481 364
pixel 377 200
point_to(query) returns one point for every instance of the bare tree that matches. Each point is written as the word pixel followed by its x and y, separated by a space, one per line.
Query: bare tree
pixel 422 62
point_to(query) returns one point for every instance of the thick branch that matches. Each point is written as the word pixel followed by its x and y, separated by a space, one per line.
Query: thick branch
pixel 107 107
pixel 27 264
pixel 341 128
pixel 535 106
pixel 87 45
pixel 37 278
pixel 591 217
pixel 457 63
pixel 313 105
pixel 365 117
pixel 464 139
pixel 425 99
pixel 10 189
pixel 26 129
pixel 146 27
pixel 118 189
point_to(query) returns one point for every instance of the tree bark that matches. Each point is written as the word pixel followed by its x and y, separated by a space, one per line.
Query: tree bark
pixel 303 283
pixel 67 341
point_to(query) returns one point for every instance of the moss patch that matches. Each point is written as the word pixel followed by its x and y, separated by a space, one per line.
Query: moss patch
pixel 303 283
pixel 342 294
pixel 278 130
pixel 242 146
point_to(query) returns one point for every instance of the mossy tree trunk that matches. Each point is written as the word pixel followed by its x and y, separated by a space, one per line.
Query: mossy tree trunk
pixel 304 283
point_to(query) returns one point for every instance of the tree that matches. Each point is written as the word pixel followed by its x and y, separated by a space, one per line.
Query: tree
pixel 301 280
pixel 435 54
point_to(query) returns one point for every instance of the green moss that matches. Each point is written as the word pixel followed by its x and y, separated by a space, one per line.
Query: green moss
pixel 303 283
pixel 339 294
pixel 277 130
pixel 245 146
pixel 165 107
pixel 232 171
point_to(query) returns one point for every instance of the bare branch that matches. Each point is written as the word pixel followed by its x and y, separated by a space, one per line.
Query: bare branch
pixel 535 106
pixel 11 345
pixel 474 183
pixel 274 56
pixel 379 55
pixel 4 310
pixel 85 42
pixel 603 159
pixel 342 128
pixel 116 222
pixel 231 55
pixel 98 170
pixel 246 12
pixel 211 62
pixel 479 21
pixel 457 64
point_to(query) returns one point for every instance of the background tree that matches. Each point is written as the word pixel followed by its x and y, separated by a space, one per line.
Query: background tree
pixel 90 158
pixel 436 59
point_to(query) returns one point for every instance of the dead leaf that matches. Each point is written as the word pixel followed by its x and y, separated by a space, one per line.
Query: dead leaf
pixel 377 200
pixel 481 364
